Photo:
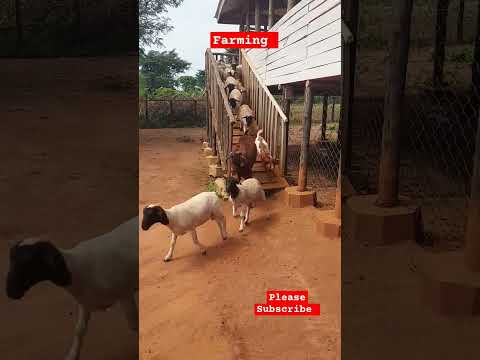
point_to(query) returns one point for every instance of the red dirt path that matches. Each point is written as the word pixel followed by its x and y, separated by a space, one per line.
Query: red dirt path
pixel 201 307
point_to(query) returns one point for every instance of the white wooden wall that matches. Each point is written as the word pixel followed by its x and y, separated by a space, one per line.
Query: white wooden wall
pixel 309 45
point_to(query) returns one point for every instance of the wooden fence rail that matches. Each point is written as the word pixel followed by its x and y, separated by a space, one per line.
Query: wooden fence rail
pixel 220 117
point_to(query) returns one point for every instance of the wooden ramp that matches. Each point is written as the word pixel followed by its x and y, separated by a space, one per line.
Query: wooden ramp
pixel 271 180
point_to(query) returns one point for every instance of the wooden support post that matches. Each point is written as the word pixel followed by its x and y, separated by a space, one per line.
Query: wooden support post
pixel 324 118
pixel 242 21
pixel 476 64
pixel 287 98
pixel 472 248
pixel 338 192
pixel 397 60
pixel 440 40
pixel 461 13
pixel 307 123
pixel 332 116
pixel 19 25
pixel 271 7
pixel 349 53
pixel 291 4
pixel 247 16
pixel 171 111
pixel 257 15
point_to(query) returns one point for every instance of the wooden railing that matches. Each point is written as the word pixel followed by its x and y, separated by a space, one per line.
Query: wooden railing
pixel 270 116
pixel 219 114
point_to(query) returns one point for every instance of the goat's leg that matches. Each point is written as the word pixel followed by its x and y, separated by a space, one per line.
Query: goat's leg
pixel 222 224
pixel 130 309
pixel 196 242
pixel 242 220
pixel 80 329
pixel 247 214
pixel 173 241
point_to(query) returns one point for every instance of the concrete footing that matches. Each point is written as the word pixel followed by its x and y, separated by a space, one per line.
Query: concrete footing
pixel 328 224
pixel 212 160
pixel 215 171
pixel 299 199
pixel 447 287
pixel 373 225
pixel 220 187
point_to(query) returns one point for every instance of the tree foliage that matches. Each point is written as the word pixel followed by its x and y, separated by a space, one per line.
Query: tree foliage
pixel 160 69
pixel 152 22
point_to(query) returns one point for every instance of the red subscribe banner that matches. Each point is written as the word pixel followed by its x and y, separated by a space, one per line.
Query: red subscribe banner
pixel 287 303
pixel 245 40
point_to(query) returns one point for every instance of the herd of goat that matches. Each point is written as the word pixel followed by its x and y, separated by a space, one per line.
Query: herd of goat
pixel 103 271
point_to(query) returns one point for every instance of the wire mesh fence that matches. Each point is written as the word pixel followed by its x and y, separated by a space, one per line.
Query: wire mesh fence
pixel 172 113
pixel 440 114
pixel 324 148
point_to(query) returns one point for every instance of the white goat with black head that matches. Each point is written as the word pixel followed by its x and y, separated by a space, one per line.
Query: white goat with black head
pixel 98 273
pixel 244 196
pixel 186 217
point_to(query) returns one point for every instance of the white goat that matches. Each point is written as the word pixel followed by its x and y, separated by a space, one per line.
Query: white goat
pixel 98 273
pixel 264 151
pixel 230 84
pixel 244 196
pixel 186 217
pixel 247 119
pixel 235 99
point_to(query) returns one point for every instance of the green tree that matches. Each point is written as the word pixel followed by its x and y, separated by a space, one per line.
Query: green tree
pixel 160 69
pixel 200 78
pixel 151 20
pixel 188 83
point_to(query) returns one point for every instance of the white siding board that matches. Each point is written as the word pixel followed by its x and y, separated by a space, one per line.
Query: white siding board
pixel 324 45
pixel 309 45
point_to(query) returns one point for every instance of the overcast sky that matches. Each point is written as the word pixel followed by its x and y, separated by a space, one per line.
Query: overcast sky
pixel 193 21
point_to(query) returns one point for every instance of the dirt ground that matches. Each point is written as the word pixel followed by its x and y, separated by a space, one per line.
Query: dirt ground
pixel 201 307
pixel 69 170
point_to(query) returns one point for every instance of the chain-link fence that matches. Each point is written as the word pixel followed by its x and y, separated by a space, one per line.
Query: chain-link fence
pixel 324 149
pixel 440 114
pixel 172 113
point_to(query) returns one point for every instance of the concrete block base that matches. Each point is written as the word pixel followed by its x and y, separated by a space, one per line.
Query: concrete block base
pixel 215 171
pixel 212 160
pixel 447 287
pixel 296 199
pixel 347 188
pixel 220 187
pixel 328 224
pixel 373 225
pixel 207 151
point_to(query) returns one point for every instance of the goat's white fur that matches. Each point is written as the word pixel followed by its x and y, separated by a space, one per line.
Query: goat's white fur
pixel 238 97
pixel 104 271
pixel 249 192
pixel 263 148
pixel 189 215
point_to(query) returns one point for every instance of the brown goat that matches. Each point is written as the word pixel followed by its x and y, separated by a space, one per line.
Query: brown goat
pixel 244 158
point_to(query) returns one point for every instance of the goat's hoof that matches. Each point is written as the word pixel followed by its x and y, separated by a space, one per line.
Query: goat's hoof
pixel 204 252
pixel 241 229
pixel 167 259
